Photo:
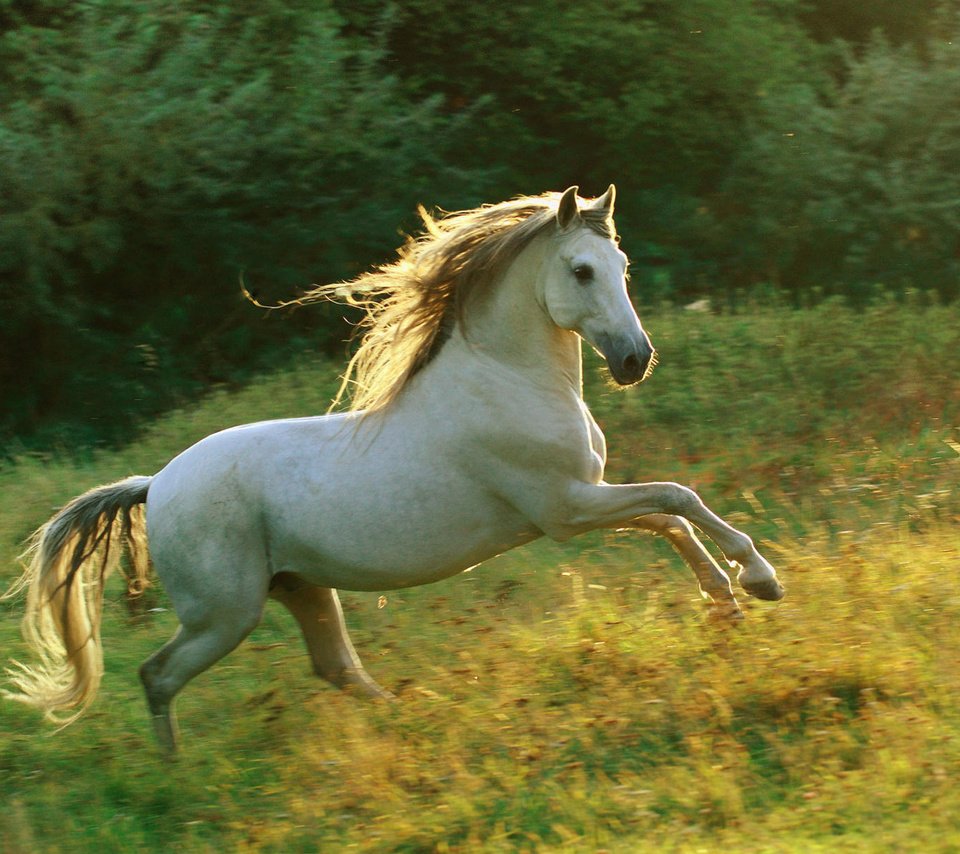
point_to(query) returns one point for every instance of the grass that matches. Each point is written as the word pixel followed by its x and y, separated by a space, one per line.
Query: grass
pixel 575 697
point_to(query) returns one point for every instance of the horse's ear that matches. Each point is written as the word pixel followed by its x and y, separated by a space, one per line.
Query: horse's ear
pixel 606 201
pixel 567 211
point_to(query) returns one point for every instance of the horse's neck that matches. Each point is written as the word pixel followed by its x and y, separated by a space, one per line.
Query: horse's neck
pixel 508 325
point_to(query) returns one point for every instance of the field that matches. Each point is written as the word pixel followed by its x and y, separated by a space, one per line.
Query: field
pixel 576 697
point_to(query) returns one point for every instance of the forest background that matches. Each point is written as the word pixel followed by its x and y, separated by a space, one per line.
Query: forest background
pixel 154 153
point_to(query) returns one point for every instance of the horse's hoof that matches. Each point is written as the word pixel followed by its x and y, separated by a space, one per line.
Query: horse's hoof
pixel 366 688
pixel 725 614
pixel 769 589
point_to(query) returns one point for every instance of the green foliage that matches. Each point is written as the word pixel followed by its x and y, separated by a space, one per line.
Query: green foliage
pixel 855 21
pixel 153 154
pixel 858 188
pixel 655 96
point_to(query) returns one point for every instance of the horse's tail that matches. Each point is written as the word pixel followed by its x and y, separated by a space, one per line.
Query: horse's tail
pixel 67 562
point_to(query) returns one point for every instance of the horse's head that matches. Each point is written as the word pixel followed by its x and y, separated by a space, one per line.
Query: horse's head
pixel 585 288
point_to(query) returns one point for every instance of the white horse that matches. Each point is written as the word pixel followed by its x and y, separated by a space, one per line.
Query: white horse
pixel 469 436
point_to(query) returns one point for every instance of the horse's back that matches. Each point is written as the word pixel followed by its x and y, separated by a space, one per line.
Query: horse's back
pixel 345 502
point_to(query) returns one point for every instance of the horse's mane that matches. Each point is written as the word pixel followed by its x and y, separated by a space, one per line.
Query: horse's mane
pixel 412 303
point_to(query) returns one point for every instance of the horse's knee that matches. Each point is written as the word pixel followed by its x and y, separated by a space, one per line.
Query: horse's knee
pixel 667 525
pixel 158 696
pixel 684 503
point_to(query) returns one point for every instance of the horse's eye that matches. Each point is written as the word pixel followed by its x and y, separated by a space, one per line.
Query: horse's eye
pixel 583 273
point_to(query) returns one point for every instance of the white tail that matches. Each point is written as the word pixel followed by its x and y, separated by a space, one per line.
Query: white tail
pixel 67 562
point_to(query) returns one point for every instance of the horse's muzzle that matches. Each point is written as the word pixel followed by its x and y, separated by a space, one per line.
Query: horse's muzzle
pixel 629 361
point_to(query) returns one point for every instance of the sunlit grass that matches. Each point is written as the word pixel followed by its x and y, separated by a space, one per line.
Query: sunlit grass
pixel 560 714
pixel 574 697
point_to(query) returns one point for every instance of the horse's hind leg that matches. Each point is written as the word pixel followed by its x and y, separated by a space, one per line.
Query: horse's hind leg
pixel 318 612
pixel 714 582
pixel 198 644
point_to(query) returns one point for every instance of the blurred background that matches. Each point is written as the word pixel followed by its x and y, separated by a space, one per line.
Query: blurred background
pixel 153 153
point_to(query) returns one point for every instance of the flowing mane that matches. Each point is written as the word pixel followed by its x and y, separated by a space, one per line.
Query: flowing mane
pixel 412 303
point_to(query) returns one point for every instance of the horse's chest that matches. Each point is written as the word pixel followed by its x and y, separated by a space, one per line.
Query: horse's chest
pixel 573 448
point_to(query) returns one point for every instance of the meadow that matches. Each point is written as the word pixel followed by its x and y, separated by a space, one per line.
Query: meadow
pixel 574 697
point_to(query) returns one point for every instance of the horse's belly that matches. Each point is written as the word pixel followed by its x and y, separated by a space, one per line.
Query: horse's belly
pixel 402 546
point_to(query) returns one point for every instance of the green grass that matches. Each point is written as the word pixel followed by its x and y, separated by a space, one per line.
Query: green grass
pixel 576 697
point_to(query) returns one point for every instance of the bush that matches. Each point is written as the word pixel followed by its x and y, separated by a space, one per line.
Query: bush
pixel 857 189
pixel 154 152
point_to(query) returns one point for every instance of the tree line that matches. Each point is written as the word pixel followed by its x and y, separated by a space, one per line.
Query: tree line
pixel 153 154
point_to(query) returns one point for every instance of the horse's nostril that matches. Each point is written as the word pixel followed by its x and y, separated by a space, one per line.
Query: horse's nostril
pixel 635 367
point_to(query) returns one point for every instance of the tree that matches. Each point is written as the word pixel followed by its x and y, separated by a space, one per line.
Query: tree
pixel 153 153
pixel 857 189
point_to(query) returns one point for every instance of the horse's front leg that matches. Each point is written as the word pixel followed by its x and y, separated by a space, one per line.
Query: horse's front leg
pixel 714 582
pixel 589 506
